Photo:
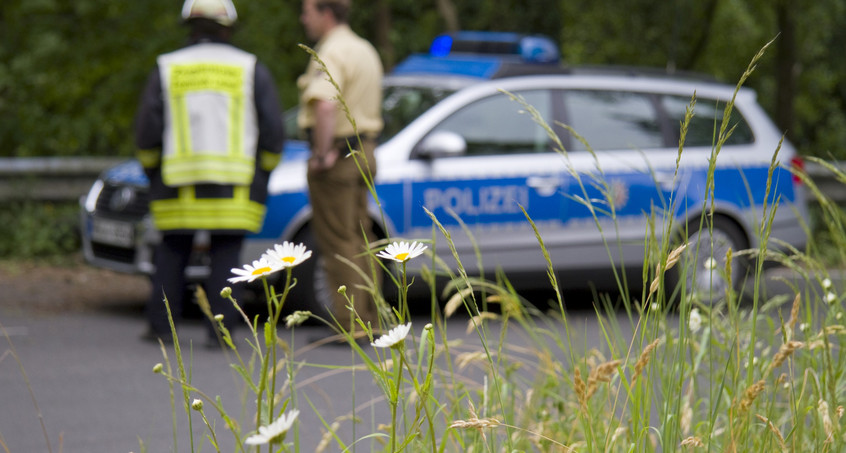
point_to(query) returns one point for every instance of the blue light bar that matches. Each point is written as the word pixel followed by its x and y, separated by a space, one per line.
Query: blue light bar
pixel 441 46
pixel 530 48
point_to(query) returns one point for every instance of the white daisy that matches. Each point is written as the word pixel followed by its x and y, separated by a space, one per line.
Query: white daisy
pixel 274 431
pixel 402 251
pixel 393 337
pixel 260 268
pixel 695 320
pixel 830 297
pixel 287 254
pixel 710 264
pixel 826 283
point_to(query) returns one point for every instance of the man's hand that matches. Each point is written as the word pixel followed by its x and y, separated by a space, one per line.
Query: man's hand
pixel 323 161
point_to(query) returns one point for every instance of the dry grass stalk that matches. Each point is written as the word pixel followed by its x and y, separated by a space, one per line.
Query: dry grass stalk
pixel 750 394
pixel 580 388
pixel 618 433
pixel 478 319
pixel 465 359
pixel 327 438
pixel 686 418
pixel 784 353
pixel 643 360
pixel 775 431
pixel 601 373
pixel 825 416
pixel 474 422
pixel 794 315
pixel 672 259
pixel 457 300
pixel 693 442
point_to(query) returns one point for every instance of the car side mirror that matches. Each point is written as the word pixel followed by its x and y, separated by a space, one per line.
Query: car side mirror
pixel 441 144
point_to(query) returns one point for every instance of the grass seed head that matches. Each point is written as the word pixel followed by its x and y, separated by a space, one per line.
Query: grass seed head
pixel 644 358
pixel 785 352
pixel 751 394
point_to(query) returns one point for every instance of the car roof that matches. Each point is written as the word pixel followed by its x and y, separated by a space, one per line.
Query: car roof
pixel 460 59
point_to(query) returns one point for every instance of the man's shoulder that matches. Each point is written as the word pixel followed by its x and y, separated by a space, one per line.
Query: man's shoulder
pixel 344 38
pixel 208 49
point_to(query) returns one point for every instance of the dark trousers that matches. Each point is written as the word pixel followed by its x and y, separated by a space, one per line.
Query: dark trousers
pixel 168 281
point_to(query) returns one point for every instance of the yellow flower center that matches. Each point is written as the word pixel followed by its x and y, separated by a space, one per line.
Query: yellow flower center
pixel 402 256
pixel 289 259
pixel 261 270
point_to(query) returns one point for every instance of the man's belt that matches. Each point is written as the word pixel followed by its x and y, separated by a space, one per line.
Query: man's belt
pixel 341 142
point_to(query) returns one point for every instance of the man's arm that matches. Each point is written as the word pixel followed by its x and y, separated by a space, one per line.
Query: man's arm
pixel 149 124
pixel 324 154
pixel 271 127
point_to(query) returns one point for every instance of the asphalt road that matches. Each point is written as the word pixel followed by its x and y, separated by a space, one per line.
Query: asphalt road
pixel 88 378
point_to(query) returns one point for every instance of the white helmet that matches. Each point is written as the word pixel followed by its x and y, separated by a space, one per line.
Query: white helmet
pixel 220 11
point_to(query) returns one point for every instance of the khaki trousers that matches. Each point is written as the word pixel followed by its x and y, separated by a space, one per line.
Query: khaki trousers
pixel 339 199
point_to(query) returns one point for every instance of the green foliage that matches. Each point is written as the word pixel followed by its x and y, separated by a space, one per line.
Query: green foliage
pixel 38 230
pixel 71 72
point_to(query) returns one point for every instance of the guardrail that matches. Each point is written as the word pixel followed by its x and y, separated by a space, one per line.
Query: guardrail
pixel 50 178
pixel 66 178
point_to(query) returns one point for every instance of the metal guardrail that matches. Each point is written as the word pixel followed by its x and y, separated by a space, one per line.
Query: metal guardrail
pixel 50 178
pixel 66 178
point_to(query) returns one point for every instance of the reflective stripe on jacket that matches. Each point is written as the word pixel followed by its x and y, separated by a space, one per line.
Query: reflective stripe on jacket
pixel 210 131
pixel 188 211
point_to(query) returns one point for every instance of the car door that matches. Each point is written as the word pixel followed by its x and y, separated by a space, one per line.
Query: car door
pixel 479 195
pixel 624 174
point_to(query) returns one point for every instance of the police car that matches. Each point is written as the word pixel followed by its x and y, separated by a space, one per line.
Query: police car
pixel 458 145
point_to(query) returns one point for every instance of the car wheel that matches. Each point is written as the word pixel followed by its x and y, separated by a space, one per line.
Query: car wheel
pixel 702 265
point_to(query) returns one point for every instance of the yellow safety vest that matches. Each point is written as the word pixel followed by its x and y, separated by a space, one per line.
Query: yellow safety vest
pixel 210 133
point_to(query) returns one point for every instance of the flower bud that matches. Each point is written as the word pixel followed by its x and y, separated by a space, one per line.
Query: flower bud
pixel 197 404
pixel 226 292
pixel 218 318
pixel 342 289
pixel 297 318
pixel 157 368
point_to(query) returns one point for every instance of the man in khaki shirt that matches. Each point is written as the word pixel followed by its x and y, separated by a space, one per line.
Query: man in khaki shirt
pixel 337 190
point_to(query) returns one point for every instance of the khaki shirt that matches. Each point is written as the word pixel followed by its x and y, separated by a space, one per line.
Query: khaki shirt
pixel 354 65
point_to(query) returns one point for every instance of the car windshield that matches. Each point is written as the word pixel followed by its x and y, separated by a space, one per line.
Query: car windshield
pixel 403 104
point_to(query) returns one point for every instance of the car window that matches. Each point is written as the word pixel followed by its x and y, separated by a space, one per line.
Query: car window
pixel 403 104
pixel 705 124
pixel 498 125
pixel 612 120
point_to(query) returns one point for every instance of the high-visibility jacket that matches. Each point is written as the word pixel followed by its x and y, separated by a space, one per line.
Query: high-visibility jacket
pixel 210 128
pixel 209 131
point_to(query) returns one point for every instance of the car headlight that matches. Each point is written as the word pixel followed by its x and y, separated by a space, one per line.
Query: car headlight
pixel 93 194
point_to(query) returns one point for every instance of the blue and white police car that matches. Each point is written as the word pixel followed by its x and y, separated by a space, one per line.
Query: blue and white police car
pixel 602 180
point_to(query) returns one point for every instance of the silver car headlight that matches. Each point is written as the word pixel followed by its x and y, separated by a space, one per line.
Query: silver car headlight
pixel 93 193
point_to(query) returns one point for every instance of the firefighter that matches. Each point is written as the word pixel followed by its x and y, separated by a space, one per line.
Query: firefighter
pixel 208 132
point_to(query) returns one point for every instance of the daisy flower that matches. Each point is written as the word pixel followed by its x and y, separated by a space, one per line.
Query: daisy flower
pixel 826 283
pixel 695 320
pixel 260 268
pixel 402 251
pixel 710 264
pixel 393 337
pixel 287 254
pixel 274 431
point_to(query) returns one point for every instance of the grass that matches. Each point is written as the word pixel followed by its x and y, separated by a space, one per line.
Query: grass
pixel 727 375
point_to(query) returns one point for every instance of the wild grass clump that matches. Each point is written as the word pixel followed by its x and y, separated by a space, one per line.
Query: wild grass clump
pixel 671 371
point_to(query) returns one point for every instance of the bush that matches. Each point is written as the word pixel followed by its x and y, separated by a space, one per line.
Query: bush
pixel 32 229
